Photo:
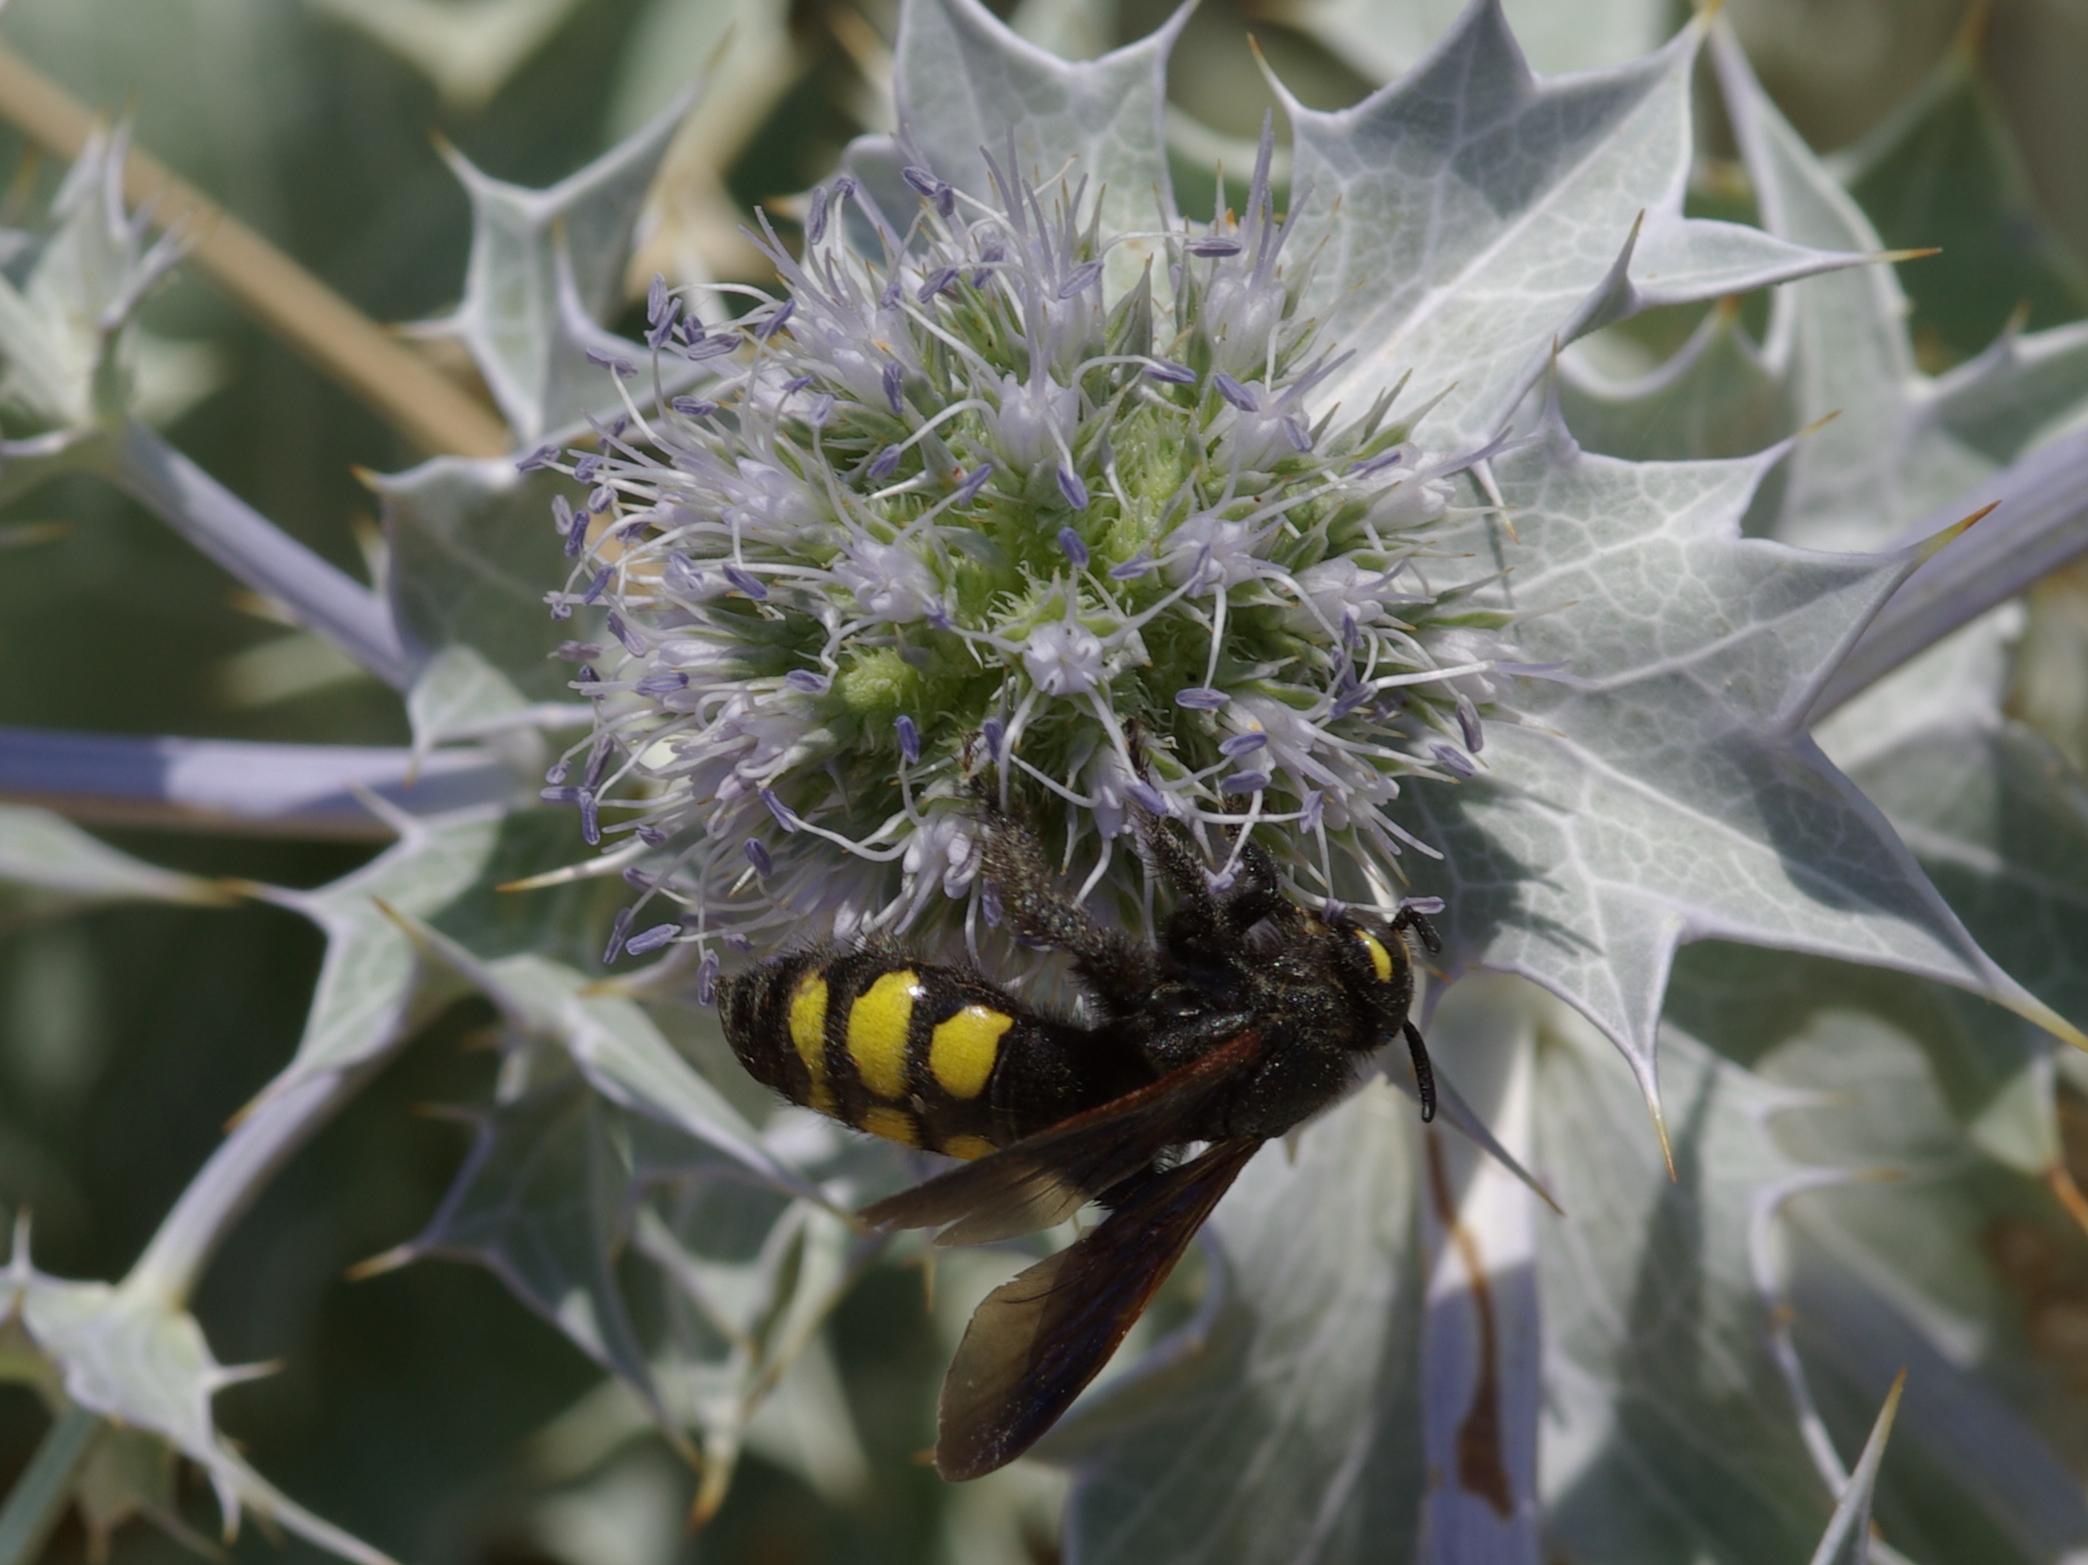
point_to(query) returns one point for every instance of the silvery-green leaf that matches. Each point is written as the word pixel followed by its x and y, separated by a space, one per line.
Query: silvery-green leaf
pixel 473 551
pixel 1070 29
pixel 694 1288
pixel 1713 398
pixel 1900 445
pixel 544 1201
pixel 1847 1539
pixel 372 986
pixel 1663 787
pixel 1995 814
pixel 1999 820
pixel 1385 38
pixel 1942 169
pixel 468 51
pixel 1474 216
pixel 545 267
pixel 966 84
pixel 1902 1260
pixel 458 694
pixel 48 865
pixel 145 1366
pixel 1666 1437
pixel 1282 1423
pixel 66 298
pixel 614 1042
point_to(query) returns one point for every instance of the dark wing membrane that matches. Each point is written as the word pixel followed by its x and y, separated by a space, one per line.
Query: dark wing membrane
pixel 1046 1178
pixel 1043 1335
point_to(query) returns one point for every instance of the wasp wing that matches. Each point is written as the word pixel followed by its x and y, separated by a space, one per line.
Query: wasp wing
pixel 1045 1178
pixel 1043 1335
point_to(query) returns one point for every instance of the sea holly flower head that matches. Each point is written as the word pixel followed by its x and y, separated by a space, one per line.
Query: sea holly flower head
pixel 962 512
pixel 1268 524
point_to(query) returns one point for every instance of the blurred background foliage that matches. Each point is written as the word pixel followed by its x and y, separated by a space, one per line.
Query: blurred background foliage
pixel 422 1408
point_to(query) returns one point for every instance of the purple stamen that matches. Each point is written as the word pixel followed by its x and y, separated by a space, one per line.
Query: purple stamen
pixel 585 469
pixel 1147 797
pixel 1081 277
pixel 600 498
pixel 776 320
pixel 746 584
pixel 559 795
pixel 1468 723
pixel 1376 464
pixel 707 979
pixel 1138 565
pixel 590 821
pixel 758 856
pixel 1454 760
pixel 1075 550
pixel 776 807
pixel 622 369
pixel 633 643
pixel 816 219
pixel 804 679
pixel 619 926
pixel 1247 782
pixel 541 457
pixel 885 464
pixel 577 651
pixel 1072 488
pixel 1211 245
pixel 909 739
pixel 652 836
pixel 821 410
pixel 993 731
pixel 693 407
pixel 936 283
pixel 713 347
pixel 974 481
pixel 658 686
pixel 651 939
pixel 596 586
pixel 1242 744
pixel 1201 698
pixel 1174 374
pixel 1297 432
pixel 1235 393
pixel 656 298
pixel 894 379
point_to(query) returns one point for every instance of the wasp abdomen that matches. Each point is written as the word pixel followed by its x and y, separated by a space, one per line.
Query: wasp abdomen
pixel 915 1053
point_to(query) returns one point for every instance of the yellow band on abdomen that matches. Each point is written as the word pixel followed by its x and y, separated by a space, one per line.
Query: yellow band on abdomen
pixel 961 1050
pixel 877 1024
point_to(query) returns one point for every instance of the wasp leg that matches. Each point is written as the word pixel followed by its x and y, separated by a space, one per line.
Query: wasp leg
pixel 1114 968
pixel 1406 918
pixel 1197 927
pixel 1257 892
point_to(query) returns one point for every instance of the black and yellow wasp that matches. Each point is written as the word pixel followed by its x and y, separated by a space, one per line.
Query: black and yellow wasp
pixel 1250 1015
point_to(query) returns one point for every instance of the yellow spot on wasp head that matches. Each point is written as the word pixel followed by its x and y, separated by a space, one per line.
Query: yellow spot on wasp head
pixel 961 1051
pixel 892 1124
pixel 965 1147
pixel 1380 958
pixel 877 1024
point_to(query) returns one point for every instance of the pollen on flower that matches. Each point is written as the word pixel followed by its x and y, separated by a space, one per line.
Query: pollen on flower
pixel 984 507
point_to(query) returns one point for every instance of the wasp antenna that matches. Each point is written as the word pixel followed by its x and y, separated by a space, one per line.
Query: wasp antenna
pixel 1424 1073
